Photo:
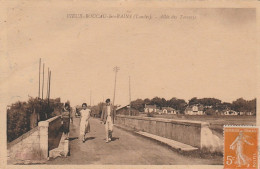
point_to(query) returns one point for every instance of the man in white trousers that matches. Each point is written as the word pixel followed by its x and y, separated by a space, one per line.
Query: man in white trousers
pixel 107 118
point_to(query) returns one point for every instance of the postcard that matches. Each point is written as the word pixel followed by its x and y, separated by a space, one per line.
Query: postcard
pixel 129 84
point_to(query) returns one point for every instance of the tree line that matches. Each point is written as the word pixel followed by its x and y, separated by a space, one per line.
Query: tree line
pixel 240 105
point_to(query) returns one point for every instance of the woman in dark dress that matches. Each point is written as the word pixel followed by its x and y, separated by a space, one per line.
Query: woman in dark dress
pixel 66 116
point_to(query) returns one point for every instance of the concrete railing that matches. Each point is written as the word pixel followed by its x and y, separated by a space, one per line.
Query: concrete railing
pixel 50 134
pixel 36 144
pixel 184 131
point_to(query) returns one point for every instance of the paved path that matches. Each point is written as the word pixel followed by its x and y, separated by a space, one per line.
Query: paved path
pixel 126 149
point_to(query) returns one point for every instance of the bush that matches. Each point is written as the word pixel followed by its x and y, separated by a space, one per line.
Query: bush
pixel 23 116
pixel 17 121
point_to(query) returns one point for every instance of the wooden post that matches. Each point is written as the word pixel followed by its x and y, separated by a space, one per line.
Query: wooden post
pixel 50 85
pixel 42 80
pixel 39 79
pixel 116 69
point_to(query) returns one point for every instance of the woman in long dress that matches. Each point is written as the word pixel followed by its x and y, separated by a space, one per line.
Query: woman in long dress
pixel 66 117
pixel 84 122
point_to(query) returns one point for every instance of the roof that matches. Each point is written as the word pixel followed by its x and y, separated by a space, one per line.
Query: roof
pixel 150 106
pixel 189 108
pixel 122 107
pixel 168 108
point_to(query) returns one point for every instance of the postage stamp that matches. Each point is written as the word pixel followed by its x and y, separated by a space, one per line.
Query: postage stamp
pixel 240 147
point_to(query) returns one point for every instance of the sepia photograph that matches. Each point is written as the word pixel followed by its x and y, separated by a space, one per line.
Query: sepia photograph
pixel 127 85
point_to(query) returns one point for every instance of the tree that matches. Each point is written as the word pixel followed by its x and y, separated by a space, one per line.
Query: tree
pixel 147 101
pixel 181 105
pixel 193 101
pixel 209 102
pixel 172 102
pixel 96 110
pixel 138 104
pixel 243 105
pixel 17 120
pixel 159 102
pixel 177 104
pixel 20 115
pixel 239 105
pixel 252 106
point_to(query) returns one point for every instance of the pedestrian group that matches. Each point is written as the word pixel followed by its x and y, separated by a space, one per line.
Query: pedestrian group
pixel 107 118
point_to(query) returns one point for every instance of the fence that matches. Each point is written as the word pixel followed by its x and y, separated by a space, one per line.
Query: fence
pixel 184 131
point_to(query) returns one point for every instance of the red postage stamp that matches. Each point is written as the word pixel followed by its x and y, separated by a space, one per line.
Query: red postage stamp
pixel 240 147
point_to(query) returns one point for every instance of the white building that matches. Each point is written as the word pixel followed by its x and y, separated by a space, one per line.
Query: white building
pixel 150 109
pixel 168 110
pixel 195 110
pixel 231 113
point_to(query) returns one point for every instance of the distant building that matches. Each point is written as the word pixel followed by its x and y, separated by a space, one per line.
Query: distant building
pixel 194 110
pixel 168 110
pixel 249 113
pixel 235 113
pixel 241 113
pixel 150 109
pixel 124 110
pixel 208 107
pixel 230 113
pixel 159 111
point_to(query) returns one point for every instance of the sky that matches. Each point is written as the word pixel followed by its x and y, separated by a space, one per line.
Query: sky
pixel 213 55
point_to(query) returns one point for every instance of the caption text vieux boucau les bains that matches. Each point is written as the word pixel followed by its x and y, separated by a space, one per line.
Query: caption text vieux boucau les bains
pixel 128 16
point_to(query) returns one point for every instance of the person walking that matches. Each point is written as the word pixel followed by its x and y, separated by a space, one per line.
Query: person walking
pixel 84 122
pixel 66 116
pixel 107 118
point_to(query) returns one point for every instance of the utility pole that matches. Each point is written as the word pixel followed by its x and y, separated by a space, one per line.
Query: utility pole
pixel 42 80
pixel 116 69
pixel 129 96
pixel 39 79
pixel 49 85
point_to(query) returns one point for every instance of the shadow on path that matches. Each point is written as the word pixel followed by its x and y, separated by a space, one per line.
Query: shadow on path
pixel 73 138
pixel 90 138
pixel 114 138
